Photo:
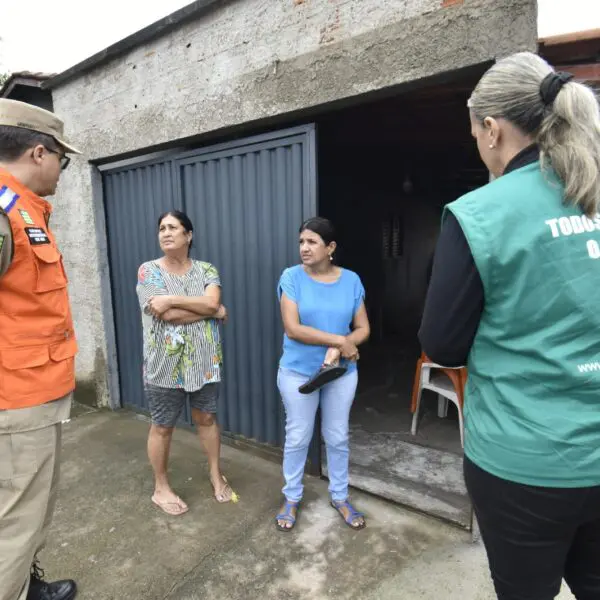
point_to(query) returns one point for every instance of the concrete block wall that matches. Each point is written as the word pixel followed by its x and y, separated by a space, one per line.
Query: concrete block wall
pixel 248 60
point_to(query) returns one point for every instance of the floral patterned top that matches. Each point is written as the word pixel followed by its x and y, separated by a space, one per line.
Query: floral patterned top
pixel 179 356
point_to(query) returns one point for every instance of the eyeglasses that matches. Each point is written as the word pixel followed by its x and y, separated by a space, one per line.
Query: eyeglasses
pixel 64 159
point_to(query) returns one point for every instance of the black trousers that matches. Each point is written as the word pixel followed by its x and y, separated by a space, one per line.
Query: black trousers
pixel 536 536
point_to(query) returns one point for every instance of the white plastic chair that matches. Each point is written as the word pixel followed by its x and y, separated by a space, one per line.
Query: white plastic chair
pixel 441 384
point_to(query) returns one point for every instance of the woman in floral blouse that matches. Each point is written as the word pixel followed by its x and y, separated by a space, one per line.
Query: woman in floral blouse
pixel 180 300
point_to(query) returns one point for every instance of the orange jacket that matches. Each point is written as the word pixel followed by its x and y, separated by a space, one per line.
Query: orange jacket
pixel 37 341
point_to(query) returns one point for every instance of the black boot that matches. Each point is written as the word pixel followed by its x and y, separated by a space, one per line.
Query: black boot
pixel 40 590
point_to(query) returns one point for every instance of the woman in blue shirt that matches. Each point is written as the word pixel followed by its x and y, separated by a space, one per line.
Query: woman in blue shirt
pixel 325 320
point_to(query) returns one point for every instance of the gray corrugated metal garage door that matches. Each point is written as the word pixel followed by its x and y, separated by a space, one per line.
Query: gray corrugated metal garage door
pixel 134 198
pixel 246 200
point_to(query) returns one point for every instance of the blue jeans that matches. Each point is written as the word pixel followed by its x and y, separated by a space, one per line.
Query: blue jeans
pixel 300 409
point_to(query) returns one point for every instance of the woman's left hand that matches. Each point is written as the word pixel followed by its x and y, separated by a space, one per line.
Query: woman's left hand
pixel 159 305
pixel 221 314
pixel 349 350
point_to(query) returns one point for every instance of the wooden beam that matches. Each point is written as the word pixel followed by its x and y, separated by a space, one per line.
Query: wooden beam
pixel 568 38
pixel 582 72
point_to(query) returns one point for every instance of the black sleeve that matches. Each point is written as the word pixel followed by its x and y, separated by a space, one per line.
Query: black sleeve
pixel 454 300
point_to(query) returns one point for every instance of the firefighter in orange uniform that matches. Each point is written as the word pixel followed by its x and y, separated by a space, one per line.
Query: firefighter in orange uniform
pixel 37 346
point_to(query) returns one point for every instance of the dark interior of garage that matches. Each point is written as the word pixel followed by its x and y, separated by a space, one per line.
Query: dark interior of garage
pixel 386 170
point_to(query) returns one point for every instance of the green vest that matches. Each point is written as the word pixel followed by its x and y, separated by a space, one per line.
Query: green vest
pixel 532 403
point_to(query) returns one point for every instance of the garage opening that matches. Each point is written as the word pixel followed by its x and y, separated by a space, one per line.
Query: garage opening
pixel 386 170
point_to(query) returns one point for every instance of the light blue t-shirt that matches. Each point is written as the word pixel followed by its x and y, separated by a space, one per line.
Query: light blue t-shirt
pixel 328 307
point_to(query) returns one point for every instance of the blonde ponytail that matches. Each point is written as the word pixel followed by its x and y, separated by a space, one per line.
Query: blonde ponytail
pixel 566 126
pixel 569 140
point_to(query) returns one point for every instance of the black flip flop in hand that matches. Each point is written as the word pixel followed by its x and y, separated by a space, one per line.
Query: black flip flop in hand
pixel 326 374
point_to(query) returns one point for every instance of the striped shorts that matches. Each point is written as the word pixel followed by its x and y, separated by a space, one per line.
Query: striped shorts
pixel 166 404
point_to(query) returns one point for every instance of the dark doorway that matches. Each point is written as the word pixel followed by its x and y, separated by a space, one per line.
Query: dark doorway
pixel 386 170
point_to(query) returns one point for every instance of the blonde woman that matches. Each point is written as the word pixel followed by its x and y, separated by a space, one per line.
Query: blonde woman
pixel 514 294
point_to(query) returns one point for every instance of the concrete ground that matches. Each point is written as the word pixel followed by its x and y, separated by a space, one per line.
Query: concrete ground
pixel 110 538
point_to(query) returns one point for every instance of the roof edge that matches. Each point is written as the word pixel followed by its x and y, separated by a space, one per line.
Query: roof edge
pixel 568 38
pixel 23 78
pixel 183 15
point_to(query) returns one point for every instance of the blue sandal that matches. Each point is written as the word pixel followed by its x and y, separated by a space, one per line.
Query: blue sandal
pixel 353 514
pixel 286 515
